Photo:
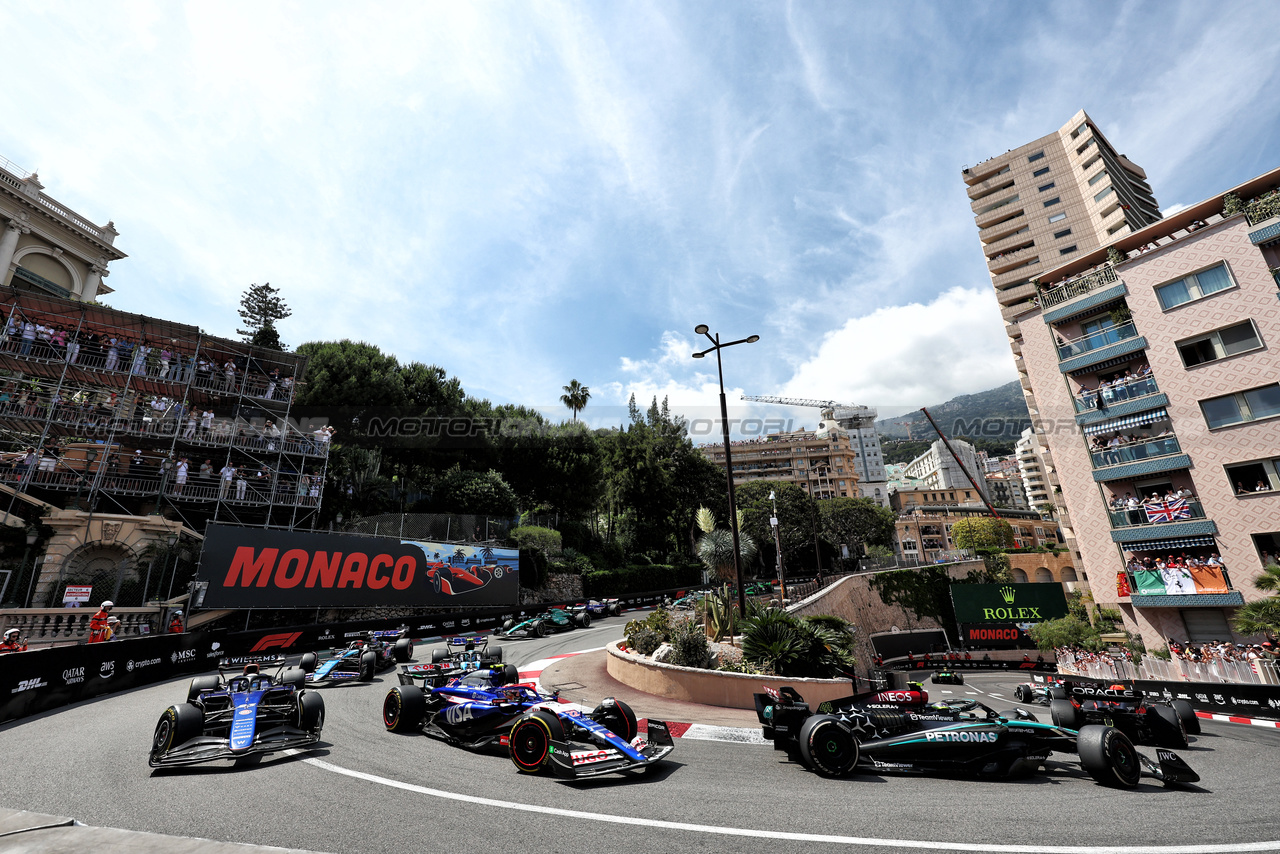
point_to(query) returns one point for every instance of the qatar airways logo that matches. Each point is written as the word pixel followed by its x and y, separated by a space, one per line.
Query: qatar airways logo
pixel 961 736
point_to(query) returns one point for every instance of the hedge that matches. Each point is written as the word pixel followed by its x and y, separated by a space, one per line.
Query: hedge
pixel 639 579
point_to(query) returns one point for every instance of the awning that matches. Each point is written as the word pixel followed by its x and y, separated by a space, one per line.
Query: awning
pixel 1168 545
pixel 1115 424
pixel 1109 363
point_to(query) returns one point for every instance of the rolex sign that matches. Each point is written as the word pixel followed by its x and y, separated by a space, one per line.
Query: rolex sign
pixel 1008 603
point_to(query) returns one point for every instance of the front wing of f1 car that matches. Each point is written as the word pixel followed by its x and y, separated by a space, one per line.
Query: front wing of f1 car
pixel 605 752
pixel 211 748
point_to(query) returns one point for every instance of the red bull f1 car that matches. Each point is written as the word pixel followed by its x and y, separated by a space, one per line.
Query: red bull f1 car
pixel 955 737
pixel 239 717
pixel 1122 707
pixel 488 708
pixel 361 660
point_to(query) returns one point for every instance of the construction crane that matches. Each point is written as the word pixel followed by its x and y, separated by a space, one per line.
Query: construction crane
pixel 865 416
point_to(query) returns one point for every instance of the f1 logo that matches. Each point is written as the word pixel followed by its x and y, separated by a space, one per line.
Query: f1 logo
pixel 283 640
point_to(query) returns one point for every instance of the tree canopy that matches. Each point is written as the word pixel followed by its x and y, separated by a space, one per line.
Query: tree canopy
pixel 261 306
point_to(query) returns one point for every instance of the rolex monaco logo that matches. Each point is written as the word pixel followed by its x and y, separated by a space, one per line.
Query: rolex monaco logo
pixel 1025 614
pixel 1006 593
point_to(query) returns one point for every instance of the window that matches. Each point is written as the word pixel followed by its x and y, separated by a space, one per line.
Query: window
pixel 1108 191
pixel 1058 217
pixel 1254 477
pixel 1088 142
pixel 1219 344
pixel 1041 171
pixel 1194 287
pixel 1242 407
pixel 1057 235
pixel 1096 178
pixel 1053 201
pixel 1033 158
pixel 1048 186
pixel 1068 250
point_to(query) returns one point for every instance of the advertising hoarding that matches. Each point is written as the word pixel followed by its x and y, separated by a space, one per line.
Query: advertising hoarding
pixel 1008 603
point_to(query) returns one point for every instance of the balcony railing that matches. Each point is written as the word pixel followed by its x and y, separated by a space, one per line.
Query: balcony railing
pixel 1088 401
pixel 1262 208
pixel 1078 286
pixel 1155 514
pixel 289 490
pixel 1132 453
pixel 1196 580
pixel 1097 340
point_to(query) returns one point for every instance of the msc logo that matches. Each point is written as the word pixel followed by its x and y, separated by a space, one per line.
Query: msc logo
pixel 182 655
pixel 1007 593
pixel 284 640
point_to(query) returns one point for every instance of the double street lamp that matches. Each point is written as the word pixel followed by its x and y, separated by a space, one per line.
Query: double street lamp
pixel 703 329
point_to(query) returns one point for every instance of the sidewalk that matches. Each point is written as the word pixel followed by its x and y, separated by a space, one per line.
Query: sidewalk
pixel 34 832
pixel 583 679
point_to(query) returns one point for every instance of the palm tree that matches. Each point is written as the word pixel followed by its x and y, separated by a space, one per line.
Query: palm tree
pixel 575 397
pixel 1262 617
pixel 715 546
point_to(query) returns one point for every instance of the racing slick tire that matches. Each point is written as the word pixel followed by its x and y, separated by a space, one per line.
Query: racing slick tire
pixel 295 676
pixel 438 655
pixel 510 675
pixel 1057 692
pixel 368 664
pixel 201 683
pixel 309 662
pixel 617 717
pixel 531 738
pixel 178 724
pixel 615 610
pixel 403 650
pixel 1022 694
pixel 1170 732
pixel 506 626
pixel 583 619
pixel 827 746
pixel 493 654
pixel 1190 722
pixel 540 629
pixel 1109 756
pixel 1064 714
pixel 404 708
pixel 310 711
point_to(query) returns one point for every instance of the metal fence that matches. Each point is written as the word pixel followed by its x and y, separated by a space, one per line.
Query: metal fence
pixel 458 528
pixel 1259 672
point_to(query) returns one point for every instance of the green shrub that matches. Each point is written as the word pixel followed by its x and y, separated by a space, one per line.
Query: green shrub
pixel 534 538
pixel 644 636
pixel 689 646
pixel 639 579
pixel 816 647
pixel 644 640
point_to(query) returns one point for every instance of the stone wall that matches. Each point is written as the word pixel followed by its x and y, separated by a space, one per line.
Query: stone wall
pixel 1061 567
pixel 560 587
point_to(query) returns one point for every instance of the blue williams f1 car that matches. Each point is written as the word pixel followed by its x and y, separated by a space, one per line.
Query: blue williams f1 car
pixel 954 737
pixel 485 708
pixel 239 717
pixel 364 657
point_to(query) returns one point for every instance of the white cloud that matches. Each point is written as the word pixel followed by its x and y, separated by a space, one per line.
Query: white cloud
pixel 911 355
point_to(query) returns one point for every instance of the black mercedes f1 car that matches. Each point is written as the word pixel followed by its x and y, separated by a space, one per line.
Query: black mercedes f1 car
pixel 954 737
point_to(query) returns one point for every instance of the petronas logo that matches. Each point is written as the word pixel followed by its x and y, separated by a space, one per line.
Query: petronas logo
pixel 1006 593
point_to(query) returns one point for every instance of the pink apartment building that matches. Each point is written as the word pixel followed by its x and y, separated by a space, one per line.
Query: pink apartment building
pixel 1153 367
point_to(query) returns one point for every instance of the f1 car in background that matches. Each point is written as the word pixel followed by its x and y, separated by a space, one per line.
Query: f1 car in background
pixel 363 657
pixel 598 608
pixel 1040 692
pixel 487 708
pixel 239 717
pixel 954 737
pixel 465 654
pixel 550 620
pixel 947 677
pixel 1119 705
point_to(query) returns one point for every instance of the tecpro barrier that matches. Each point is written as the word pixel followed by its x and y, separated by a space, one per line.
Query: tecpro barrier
pixel 43 679
pixel 994 664
pixel 1223 698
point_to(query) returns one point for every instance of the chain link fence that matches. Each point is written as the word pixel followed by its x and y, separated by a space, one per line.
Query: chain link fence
pixel 459 528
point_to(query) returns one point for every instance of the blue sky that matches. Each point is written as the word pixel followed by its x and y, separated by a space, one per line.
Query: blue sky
pixel 526 193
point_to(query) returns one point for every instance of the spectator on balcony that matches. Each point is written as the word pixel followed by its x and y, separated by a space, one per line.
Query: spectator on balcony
pixel 229 374
pixel 1240 490
pixel 140 358
pixel 1262 486
pixel 273 379
pixel 206 424
pixel 206 470
pixel 180 479
pixel 28 338
pixel 166 356
pixel 192 420
pixel 242 483
pixel 226 476
pixel 204 371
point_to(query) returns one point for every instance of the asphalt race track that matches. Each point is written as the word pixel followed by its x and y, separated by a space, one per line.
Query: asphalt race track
pixel 367 790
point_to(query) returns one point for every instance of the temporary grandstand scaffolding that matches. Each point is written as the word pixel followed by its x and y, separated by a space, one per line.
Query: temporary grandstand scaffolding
pixel 98 408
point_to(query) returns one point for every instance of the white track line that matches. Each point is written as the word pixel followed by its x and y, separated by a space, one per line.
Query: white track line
pixel 796 837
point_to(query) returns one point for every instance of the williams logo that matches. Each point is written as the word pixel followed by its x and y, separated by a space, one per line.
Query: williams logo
pixel 1006 593
pixel 29 685
pixel 73 675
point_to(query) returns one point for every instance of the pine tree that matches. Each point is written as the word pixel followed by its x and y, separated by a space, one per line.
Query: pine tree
pixel 260 308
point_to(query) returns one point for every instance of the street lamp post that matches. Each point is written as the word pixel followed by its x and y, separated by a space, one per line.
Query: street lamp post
pixel 777 546
pixel 703 329
pixel 33 534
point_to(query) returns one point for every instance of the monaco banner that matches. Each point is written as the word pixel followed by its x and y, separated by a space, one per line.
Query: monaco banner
pixel 261 568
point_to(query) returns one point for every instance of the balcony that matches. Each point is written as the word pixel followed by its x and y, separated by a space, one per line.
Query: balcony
pixel 1000 229
pixel 1161 514
pixel 998 213
pixel 1207 587
pixel 1127 462
pixel 1079 286
pixel 1097 340
pixel 991 184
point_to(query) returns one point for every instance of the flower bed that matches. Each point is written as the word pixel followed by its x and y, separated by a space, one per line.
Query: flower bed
pixel 711 687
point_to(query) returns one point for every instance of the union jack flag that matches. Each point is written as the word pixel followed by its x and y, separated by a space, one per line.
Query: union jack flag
pixel 1167 511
